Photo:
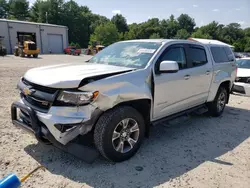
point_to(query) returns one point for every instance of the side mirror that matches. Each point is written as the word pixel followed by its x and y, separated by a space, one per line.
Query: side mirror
pixel 169 67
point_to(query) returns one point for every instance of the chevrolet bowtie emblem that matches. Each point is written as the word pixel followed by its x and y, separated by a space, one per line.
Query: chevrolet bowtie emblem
pixel 28 91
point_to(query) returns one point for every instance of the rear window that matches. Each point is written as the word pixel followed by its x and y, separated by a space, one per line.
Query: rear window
pixel 229 53
pixel 198 56
pixel 222 54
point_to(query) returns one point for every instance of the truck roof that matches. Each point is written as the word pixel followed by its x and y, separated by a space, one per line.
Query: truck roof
pixel 160 40
pixel 164 41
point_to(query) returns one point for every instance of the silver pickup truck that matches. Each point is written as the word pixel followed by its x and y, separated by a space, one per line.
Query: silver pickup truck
pixel 120 92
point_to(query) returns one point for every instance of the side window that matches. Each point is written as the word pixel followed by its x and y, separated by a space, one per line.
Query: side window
pixel 229 53
pixel 219 54
pixel 176 54
pixel 197 56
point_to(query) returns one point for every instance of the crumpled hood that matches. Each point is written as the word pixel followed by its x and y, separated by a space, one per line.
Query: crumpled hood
pixel 69 75
pixel 243 72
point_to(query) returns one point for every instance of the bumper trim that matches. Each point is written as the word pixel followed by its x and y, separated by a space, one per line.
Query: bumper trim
pixel 42 134
pixel 35 128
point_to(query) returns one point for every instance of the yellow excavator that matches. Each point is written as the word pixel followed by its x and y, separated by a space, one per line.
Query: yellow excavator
pixel 26 46
pixel 94 48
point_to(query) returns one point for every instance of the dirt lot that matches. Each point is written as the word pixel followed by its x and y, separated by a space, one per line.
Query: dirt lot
pixel 197 152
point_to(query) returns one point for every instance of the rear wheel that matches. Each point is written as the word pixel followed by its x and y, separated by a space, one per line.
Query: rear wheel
pixel 216 107
pixel 119 133
pixel 28 55
pixel 35 55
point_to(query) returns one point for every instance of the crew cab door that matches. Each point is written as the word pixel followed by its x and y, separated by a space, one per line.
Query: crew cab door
pixel 172 90
pixel 187 88
pixel 201 72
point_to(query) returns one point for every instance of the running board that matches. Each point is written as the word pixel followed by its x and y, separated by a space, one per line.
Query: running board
pixel 197 110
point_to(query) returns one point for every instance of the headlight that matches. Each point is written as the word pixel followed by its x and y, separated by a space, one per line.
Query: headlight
pixel 77 98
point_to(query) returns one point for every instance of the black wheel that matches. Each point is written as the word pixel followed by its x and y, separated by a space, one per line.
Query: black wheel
pixel 28 55
pixel 35 55
pixel 216 107
pixel 119 133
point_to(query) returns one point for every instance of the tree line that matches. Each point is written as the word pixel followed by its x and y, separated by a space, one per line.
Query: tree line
pixel 85 26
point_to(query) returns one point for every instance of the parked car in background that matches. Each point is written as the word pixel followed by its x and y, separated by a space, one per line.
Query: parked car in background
pixel 122 90
pixel 72 50
pixel 242 82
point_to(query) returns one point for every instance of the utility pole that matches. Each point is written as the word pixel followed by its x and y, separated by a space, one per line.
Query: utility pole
pixel 46 17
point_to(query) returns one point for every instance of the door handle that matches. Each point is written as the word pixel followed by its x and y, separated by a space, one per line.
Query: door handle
pixel 208 72
pixel 187 77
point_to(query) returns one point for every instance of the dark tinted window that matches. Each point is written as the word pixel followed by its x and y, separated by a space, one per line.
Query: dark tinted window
pixel 220 55
pixel 176 54
pixel 197 56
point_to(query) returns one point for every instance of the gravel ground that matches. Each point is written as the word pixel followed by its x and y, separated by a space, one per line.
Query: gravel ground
pixel 196 152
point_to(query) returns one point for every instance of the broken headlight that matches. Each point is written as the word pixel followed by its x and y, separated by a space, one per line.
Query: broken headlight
pixel 77 98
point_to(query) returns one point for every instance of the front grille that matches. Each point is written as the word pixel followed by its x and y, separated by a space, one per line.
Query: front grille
pixel 243 79
pixel 39 103
pixel 39 87
pixel 32 46
pixel 41 98
pixel 239 89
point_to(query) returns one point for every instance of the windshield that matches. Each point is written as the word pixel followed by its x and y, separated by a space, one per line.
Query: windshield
pixel 243 63
pixel 127 54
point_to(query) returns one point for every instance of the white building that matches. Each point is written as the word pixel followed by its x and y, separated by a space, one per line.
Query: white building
pixel 49 38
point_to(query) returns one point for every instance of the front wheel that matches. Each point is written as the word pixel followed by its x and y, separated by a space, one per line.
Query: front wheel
pixel 216 107
pixel 119 133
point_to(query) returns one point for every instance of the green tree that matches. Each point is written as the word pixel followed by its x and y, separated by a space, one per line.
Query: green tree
pixel 155 36
pixel 182 34
pixel 169 27
pixel 232 32
pixel 200 34
pixel 186 22
pixel 247 32
pixel 18 9
pixel 106 34
pixel 120 22
pixel 3 8
pixel 55 11
pixel 38 11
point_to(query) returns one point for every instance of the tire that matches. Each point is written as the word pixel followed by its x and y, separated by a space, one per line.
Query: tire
pixel 213 107
pixel 35 55
pixel 28 55
pixel 21 53
pixel 108 123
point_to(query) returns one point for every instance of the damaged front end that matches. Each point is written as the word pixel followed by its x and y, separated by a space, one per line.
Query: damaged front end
pixel 59 116
pixel 55 111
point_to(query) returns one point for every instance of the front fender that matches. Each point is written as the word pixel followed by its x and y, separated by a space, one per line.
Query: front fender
pixel 121 88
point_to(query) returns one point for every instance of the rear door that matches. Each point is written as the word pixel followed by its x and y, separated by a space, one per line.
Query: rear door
pixel 201 72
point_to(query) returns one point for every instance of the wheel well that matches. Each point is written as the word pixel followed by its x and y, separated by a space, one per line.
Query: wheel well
pixel 226 85
pixel 143 106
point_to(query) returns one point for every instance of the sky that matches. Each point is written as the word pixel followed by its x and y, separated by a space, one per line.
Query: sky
pixel 203 11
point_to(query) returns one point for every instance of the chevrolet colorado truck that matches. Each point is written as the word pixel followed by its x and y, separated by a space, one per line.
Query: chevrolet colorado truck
pixel 117 94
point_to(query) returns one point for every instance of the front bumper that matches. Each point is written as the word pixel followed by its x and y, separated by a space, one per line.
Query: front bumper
pixel 79 121
pixel 243 88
